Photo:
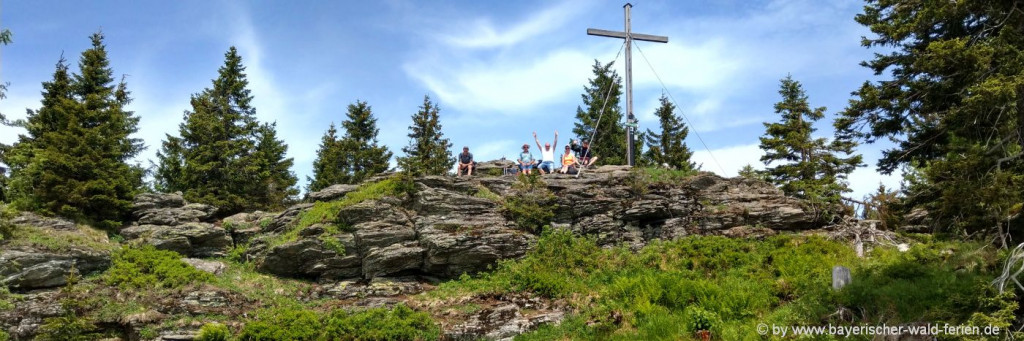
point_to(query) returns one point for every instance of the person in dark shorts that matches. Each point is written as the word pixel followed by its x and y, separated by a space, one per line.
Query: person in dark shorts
pixel 466 162
pixel 570 164
pixel 586 155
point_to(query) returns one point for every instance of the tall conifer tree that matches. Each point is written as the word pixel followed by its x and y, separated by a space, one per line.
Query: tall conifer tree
pixel 428 152
pixel 804 166
pixel 669 147
pixel 74 160
pixel 223 156
pixel 331 163
pixel 274 182
pixel 950 96
pixel 360 143
pixel 610 141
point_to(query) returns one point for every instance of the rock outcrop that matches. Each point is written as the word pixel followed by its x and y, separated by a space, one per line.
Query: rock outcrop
pixel 45 250
pixel 167 222
pixel 446 228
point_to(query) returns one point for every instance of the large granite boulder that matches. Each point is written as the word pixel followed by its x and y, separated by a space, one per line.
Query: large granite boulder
pixel 168 222
pixel 189 239
pixel 332 192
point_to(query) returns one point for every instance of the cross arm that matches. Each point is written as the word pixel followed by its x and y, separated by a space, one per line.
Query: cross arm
pixel 622 35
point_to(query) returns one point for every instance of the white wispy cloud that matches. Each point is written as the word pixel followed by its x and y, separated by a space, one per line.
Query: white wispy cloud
pixel 482 33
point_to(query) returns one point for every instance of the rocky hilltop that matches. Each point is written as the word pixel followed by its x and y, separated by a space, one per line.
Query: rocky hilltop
pixel 376 243
pixel 447 227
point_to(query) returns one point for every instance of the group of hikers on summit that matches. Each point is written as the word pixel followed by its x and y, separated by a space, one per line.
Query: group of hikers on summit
pixel 576 156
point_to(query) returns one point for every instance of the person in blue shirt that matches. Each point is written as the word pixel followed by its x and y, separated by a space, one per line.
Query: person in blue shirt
pixel 526 159
pixel 466 162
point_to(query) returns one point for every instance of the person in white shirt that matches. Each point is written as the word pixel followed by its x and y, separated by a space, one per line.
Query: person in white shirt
pixel 547 164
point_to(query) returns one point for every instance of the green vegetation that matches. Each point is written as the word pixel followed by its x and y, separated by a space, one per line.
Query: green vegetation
pixel 6 298
pixel 603 92
pixel 51 172
pixel 84 237
pixel 668 290
pixel 6 226
pixel 398 323
pixel 669 147
pixel 531 206
pixel 949 96
pixel 801 165
pixel 352 158
pixel 428 152
pixel 328 213
pixel 485 193
pixel 214 332
pixel 223 156
pixel 244 280
pixel 69 325
pixel 147 267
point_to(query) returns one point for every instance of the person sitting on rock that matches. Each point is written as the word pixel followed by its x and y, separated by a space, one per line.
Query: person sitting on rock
pixel 585 154
pixel 569 162
pixel 526 160
pixel 466 162
pixel 547 153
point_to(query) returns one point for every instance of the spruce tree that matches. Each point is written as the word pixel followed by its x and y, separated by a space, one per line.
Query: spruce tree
pixel 428 152
pixel 610 141
pixel 949 95
pixel 73 160
pixel 360 143
pixel 669 147
pixel 223 156
pixel 805 167
pixel 273 183
pixel 331 163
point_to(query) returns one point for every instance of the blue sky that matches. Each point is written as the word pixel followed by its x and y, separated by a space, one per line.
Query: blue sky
pixel 498 69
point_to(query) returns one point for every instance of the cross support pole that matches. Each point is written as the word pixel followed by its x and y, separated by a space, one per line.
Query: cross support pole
pixel 629 37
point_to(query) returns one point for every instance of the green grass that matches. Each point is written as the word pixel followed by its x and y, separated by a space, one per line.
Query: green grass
pixel 84 237
pixel 668 290
pixel 6 298
pixel 665 175
pixel 263 289
pixel 397 323
pixel 485 193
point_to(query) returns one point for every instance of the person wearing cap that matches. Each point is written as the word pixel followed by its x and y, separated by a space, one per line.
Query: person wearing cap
pixel 585 154
pixel 569 162
pixel 466 162
pixel 547 154
pixel 526 159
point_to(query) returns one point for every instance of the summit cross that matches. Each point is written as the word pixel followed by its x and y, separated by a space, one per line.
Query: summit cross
pixel 629 36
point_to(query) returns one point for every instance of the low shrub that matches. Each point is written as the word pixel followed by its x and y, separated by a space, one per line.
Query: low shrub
pixel 668 290
pixel 380 324
pixel 531 205
pixel 6 227
pixel 213 332
pixel 283 324
pixel 147 267
pixel 398 323
pixel 6 299
pixel 69 325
